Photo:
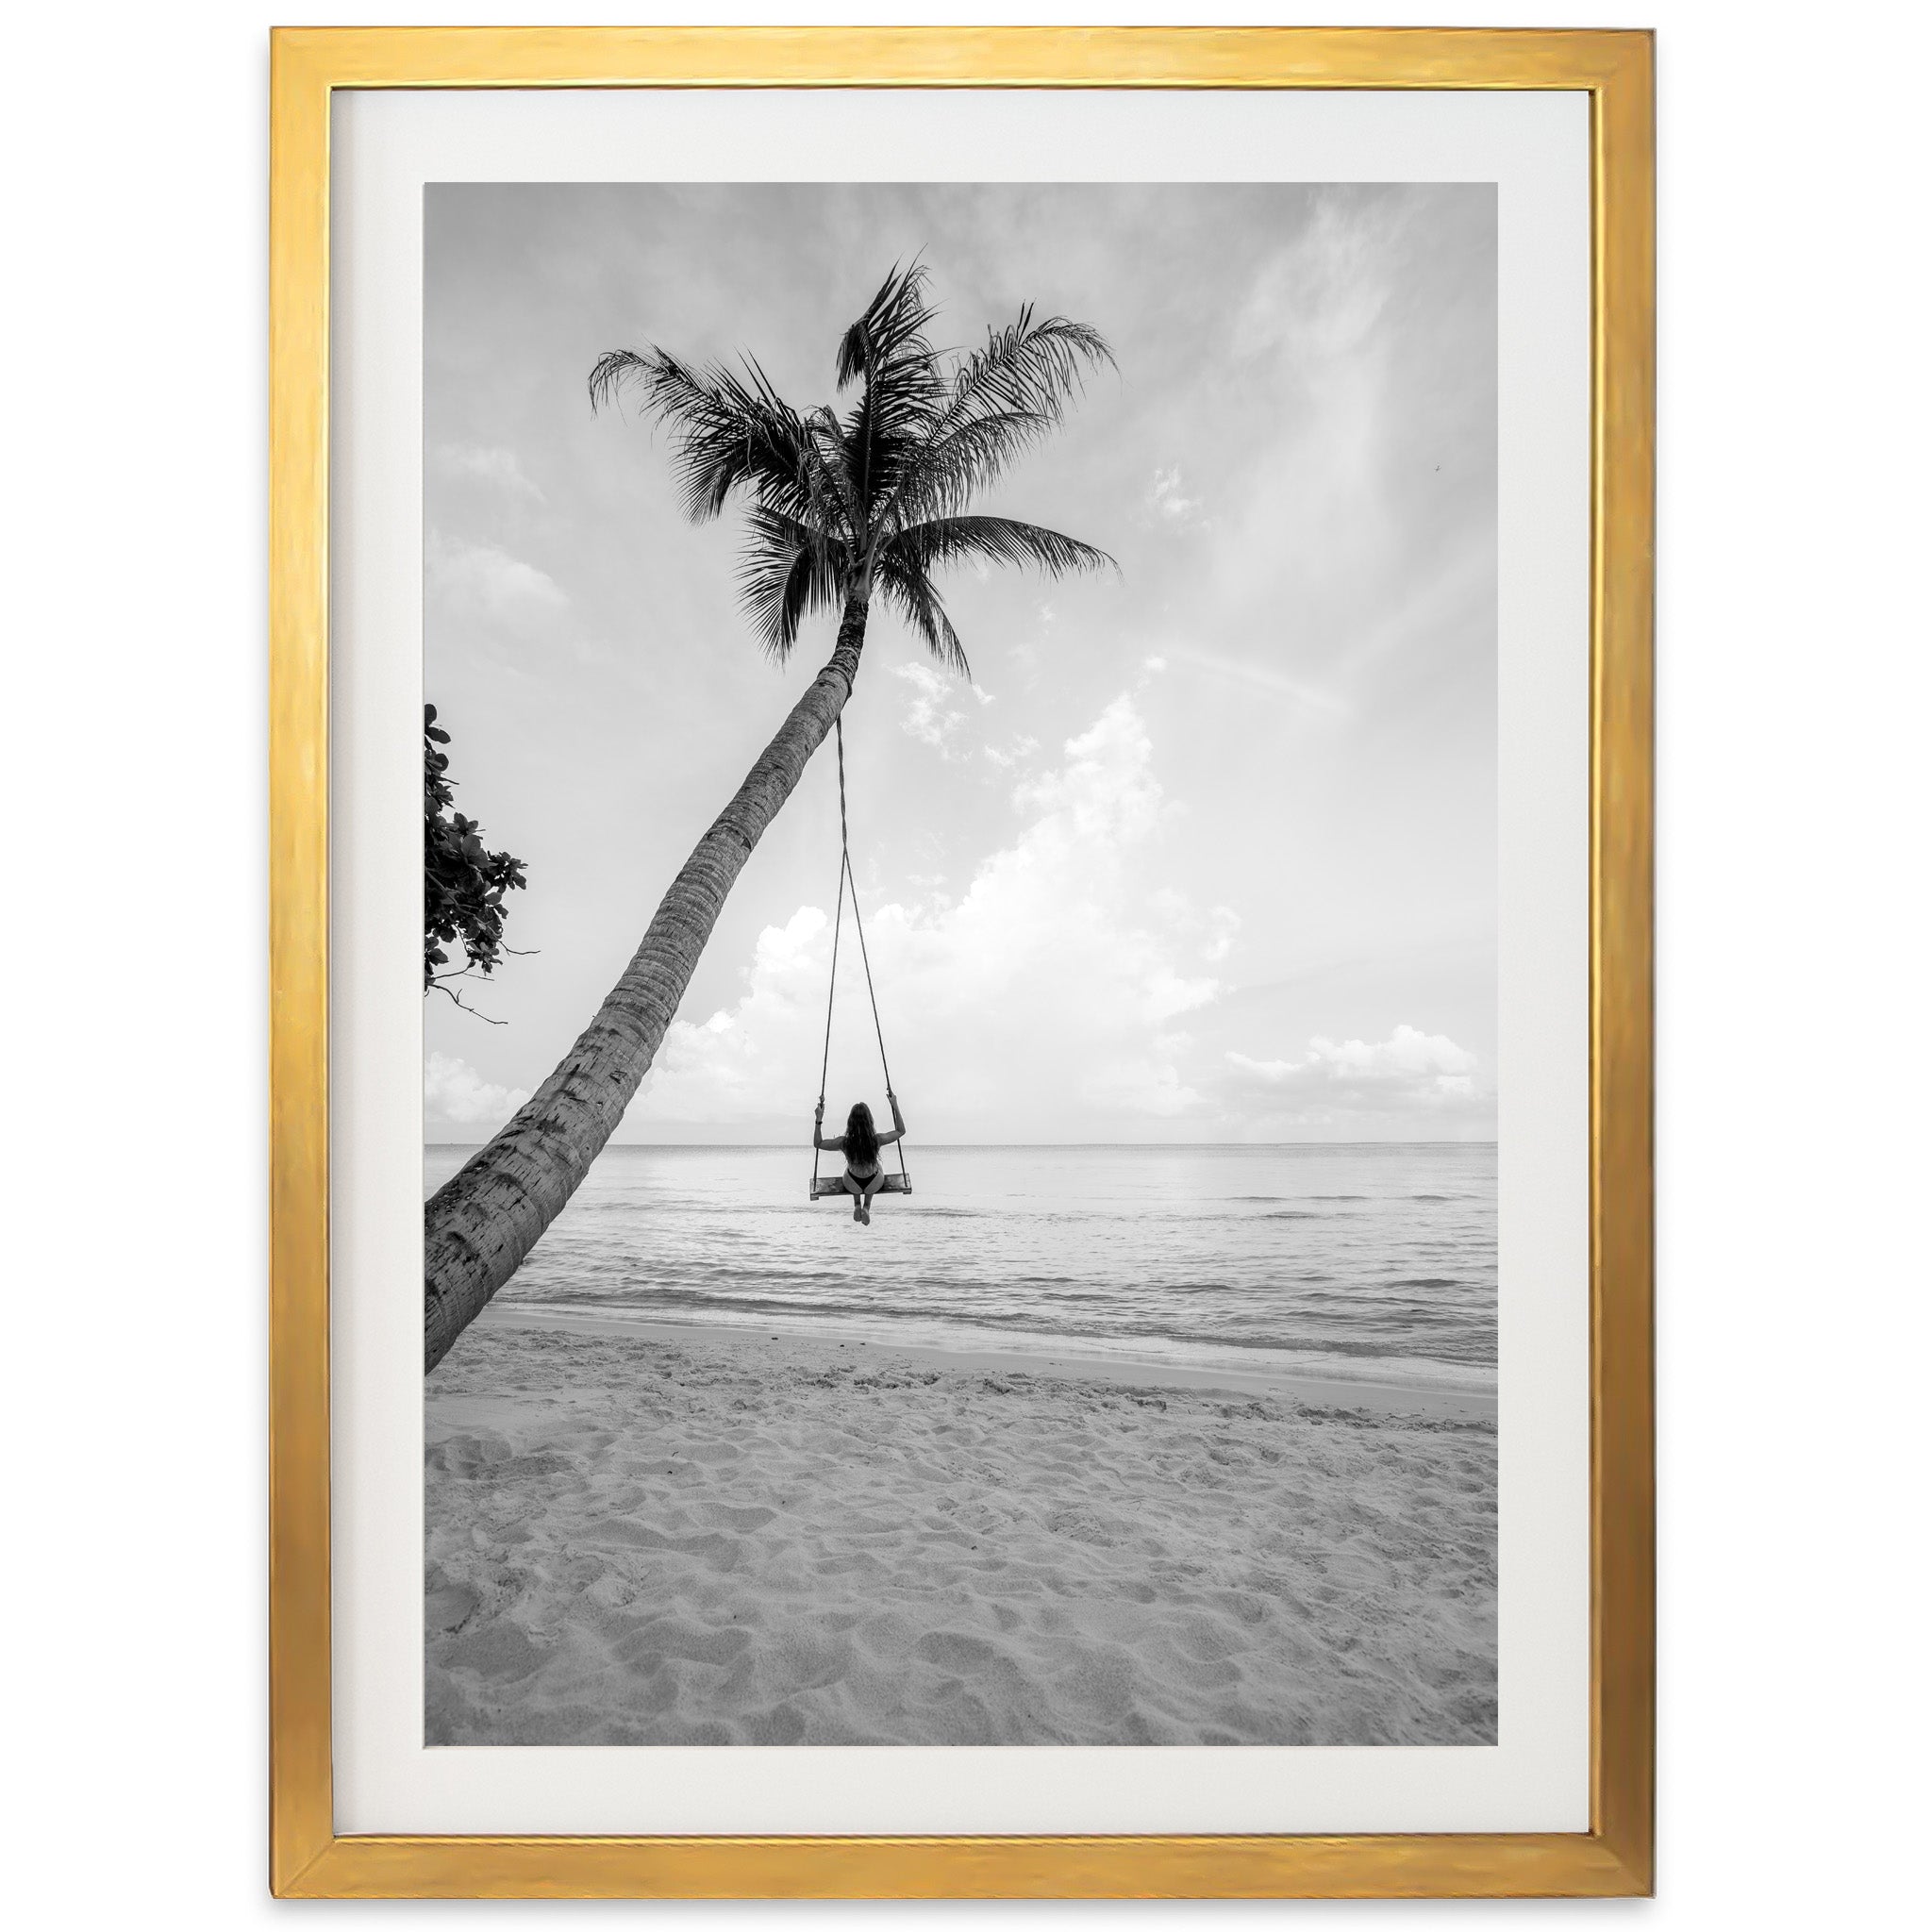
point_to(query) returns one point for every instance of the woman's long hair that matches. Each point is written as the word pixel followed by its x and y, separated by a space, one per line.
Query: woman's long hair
pixel 861 1137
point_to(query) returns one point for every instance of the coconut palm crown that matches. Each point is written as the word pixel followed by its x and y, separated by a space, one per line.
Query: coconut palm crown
pixel 837 505
pixel 878 498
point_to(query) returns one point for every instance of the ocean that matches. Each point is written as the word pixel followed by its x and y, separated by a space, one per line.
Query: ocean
pixel 1370 1262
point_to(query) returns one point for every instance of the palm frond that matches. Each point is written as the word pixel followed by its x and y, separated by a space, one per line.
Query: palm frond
pixel 904 388
pixel 789 570
pixel 1031 365
pixel 890 479
pixel 910 591
pixel 1000 401
pixel 835 487
pixel 893 327
pixel 728 431
pixel 923 547
pixel 955 465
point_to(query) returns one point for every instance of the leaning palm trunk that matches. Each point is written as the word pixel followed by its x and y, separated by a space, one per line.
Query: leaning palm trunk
pixel 879 499
pixel 479 1226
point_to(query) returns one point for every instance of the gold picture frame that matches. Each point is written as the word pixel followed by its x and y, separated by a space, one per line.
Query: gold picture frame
pixel 306 1856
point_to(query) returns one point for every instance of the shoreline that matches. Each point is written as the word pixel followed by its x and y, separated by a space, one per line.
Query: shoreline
pixel 1124 1371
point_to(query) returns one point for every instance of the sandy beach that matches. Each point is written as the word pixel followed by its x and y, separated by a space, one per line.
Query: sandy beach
pixel 648 1533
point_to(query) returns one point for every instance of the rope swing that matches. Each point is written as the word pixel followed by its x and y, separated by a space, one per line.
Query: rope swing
pixel 900 1183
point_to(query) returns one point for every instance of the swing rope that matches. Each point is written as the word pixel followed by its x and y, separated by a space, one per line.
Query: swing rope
pixel 845 877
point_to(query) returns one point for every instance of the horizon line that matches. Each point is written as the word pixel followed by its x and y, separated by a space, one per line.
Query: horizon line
pixel 975 1147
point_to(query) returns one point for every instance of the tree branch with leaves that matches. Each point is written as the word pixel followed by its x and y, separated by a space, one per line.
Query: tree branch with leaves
pixel 463 881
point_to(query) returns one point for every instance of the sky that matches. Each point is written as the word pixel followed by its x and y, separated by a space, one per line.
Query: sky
pixel 1206 852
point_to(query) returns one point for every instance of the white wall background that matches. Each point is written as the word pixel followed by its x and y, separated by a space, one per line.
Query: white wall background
pixel 1793 963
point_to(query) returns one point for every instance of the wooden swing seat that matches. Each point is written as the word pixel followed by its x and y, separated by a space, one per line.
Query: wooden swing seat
pixel 825 1186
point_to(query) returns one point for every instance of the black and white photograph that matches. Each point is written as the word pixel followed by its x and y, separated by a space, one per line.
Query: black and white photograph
pixel 1392 914
pixel 961 964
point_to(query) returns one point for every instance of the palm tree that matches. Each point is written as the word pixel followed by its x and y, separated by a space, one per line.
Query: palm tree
pixel 837 507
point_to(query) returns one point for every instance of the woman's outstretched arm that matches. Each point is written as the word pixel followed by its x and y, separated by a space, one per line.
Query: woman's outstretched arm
pixel 836 1145
pixel 898 1122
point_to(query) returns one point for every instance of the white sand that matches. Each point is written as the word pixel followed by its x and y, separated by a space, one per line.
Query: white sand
pixel 704 1536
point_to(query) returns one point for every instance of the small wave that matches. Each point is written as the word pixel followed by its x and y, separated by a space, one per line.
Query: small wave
pixel 1309 1340
pixel 645 1301
pixel 732 1286
pixel 1266 1200
pixel 722 1211
pixel 1294 1214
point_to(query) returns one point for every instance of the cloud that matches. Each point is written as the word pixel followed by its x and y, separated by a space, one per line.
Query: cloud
pixel 1167 504
pixel 482 579
pixel 1016 753
pixel 1321 297
pixel 1055 959
pixel 1224 922
pixel 454 1090
pixel 478 463
pixel 931 716
pixel 1254 677
pixel 1424 1080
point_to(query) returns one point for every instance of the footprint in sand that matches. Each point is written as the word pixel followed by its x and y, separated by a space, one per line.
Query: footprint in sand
pixel 650 1641
pixel 498 1650
pixel 955 1650
pixel 1085 1527
pixel 467 1456
pixel 449 1605
pixel 615 1532
pixel 752 1516
pixel 781 1725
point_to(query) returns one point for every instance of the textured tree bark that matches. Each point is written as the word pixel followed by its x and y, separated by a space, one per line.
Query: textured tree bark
pixel 479 1224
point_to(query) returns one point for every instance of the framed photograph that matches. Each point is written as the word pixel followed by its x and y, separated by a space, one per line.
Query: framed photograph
pixel 1015 1054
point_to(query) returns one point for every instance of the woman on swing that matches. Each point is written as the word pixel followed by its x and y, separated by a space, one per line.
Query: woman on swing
pixel 860 1144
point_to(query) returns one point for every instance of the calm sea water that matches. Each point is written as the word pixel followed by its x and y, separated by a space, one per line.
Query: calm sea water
pixel 1365 1262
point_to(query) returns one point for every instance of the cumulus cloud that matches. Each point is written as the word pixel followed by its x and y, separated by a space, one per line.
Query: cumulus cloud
pixel 454 1090
pixel 482 579
pixel 1423 1078
pixel 1055 958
